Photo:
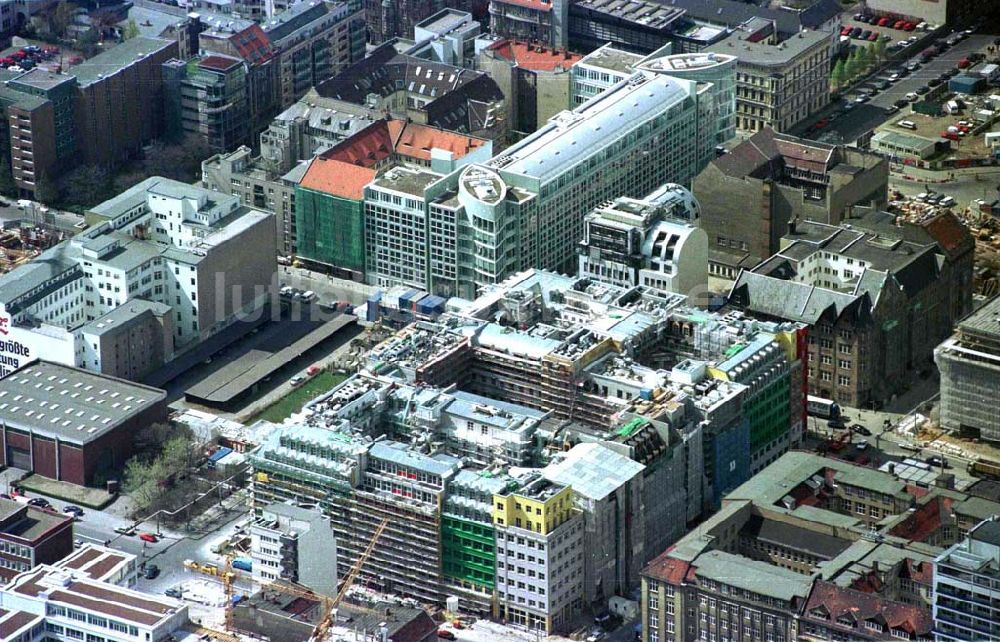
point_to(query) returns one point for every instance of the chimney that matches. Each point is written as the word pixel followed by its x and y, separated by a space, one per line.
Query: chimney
pixel 792 225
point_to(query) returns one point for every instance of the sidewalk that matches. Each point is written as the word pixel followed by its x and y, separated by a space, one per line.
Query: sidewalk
pixel 919 175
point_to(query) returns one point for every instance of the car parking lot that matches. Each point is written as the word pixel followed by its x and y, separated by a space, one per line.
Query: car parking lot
pixel 850 118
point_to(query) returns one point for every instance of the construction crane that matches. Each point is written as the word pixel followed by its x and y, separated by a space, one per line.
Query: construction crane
pixel 324 625
pixel 328 604
pixel 227 586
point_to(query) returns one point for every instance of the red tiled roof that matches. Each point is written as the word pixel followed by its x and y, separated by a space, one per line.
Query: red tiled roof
pixel 220 63
pixel 367 148
pixel 922 522
pixel 380 140
pixel 921 572
pixel 535 57
pixel 870 582
pixel 253 45
pixel 416 141
pixel 12 623
pixel 837 601
pixel 668 569
pixel 949 232
pixel 338 178
pixel 537 5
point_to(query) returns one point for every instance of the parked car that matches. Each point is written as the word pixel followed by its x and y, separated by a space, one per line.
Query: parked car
pixel 152 571
pixel 873 37
pixel 296 380
pixel 148 537
pixel 846 31
pixel 174 592
pixel 923 89
pixel 950 73
pixel 902 102
pixel 445 634
pixel 39 502
pixel 891 109
pixel 937 460
pixel 76 511
pixel 912 96
pixel 77 543
pixel 125 530
pixel 861 430
pixel 856 32
pixel 933 82
pixel 865 34
pixel 898 24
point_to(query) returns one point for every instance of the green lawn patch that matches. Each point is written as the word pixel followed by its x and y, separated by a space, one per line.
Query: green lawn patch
pixel 294 400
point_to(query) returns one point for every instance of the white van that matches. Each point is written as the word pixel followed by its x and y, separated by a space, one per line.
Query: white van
pixel 309 296
pixel 906 124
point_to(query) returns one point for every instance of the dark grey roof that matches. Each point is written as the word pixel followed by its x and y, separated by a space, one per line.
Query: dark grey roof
pixel 734 13
pixel 452 90
pixel 75 405
pixel 783 299
pixel 774 532
pixel 985 321
pixel 988 531
pixel 117 58
pixel 25 280
pixel 295 17
pixel 757 157
pixel 121 316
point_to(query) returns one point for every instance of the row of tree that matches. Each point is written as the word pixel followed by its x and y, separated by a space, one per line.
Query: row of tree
pixel 857 64
pixel 84 186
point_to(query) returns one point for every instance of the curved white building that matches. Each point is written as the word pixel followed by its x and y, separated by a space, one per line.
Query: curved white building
pixel 716 68
pixel 651 242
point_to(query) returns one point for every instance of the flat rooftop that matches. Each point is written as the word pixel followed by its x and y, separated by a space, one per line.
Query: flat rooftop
pixel 65 588
pixel 607 57
pixel 985 321
pixel 763 54
pixel 407 181
pixel 117 58
pixel 651 15
pixel 97 562
pixel 447 20
pixel 570 137
pixel 34 523
pixel 74 405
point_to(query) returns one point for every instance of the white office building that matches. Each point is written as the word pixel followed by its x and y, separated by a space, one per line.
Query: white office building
pixel 65 604
pixel 163 266
pixel 966 599
pixel 525 207
pixel 539 574
pixel 296 545
pixel 651 242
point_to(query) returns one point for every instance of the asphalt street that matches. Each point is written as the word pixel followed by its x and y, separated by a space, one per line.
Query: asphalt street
pixel 963 188
pixel 865 117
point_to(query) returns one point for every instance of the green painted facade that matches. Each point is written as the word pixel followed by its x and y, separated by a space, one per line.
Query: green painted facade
pixel 330 229
pixel 468 551
pixel 769 412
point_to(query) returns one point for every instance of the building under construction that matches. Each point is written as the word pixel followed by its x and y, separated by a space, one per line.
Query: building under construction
pixel 20 245
pixel 969 362
pixel 450 417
